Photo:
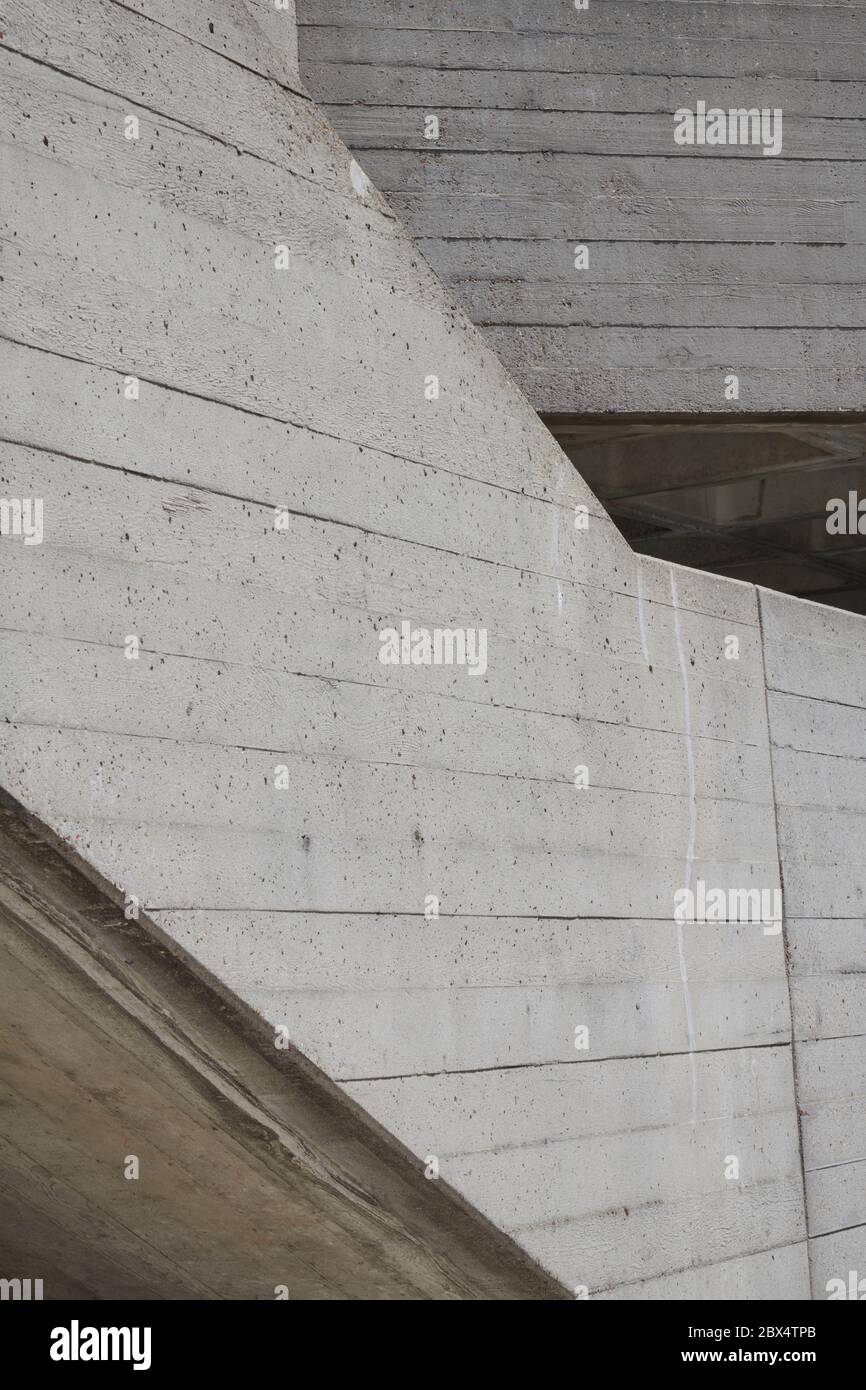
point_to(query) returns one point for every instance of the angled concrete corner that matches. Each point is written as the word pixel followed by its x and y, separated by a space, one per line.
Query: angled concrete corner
pixel 256 1174
pixel 263 434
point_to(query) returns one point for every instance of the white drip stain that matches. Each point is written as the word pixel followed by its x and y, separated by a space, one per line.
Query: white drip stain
pixel 556 514
pixel 690 852
pixel 641 616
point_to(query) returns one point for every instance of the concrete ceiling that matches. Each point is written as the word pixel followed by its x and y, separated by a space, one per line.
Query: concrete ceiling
pixel 741 498
pixel 254 1170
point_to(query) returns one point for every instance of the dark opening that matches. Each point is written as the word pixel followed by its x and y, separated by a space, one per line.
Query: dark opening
pixel 778 501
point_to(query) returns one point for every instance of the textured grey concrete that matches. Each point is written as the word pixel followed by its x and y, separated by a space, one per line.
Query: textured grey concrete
pixel 304 389
pixel 816 684
pixel 257 1178
pixel 556 130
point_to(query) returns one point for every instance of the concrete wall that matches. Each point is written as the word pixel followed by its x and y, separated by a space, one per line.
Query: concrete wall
pixel 304 389
pixel 255 1171
pixel 816 692
pixel 556 129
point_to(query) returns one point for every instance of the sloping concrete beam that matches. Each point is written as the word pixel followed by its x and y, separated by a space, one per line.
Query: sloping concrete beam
pixel 255 1174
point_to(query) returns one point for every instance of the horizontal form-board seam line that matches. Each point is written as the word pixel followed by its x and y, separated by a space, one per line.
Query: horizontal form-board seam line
pixel 798 865
pixel 501 280
pixel 322 755
pixel 832 1037
pixel 774 1186
pixel 819 753
pixel 505 986
pixel 839 972
pixel 532 241
pixel 421 916
pixel 842 1163
pixel 442 152
pixel 791 1244
pixel 445 31
pixel 837 1231
pixel 742 7
pixel 402 691
pixel 818 699
pixel 227 57
pixel 563 1062
pixel 686 327
pixel 363 26
pixel 312 429
pixel 594 1136
pixel 182 819
pixel 533 640
pixel 402 66
pixel 178 123
pixel 364 106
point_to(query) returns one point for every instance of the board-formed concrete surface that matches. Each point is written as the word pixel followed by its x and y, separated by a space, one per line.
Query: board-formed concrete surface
pixel 155 1145
pixel 555 131
pixel 263 436
pixel 816 691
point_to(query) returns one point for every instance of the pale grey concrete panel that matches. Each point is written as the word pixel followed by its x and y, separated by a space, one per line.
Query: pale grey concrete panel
pixel 771 1274
pixel 615 1160
pixel 196 699
pixel 836 1197
pixel 411 996
pixel 839 1257
pixel 832 1101
pixel 247 626
pixel 816 667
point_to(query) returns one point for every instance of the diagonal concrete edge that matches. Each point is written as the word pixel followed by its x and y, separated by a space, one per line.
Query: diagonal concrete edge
pixel 58 914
